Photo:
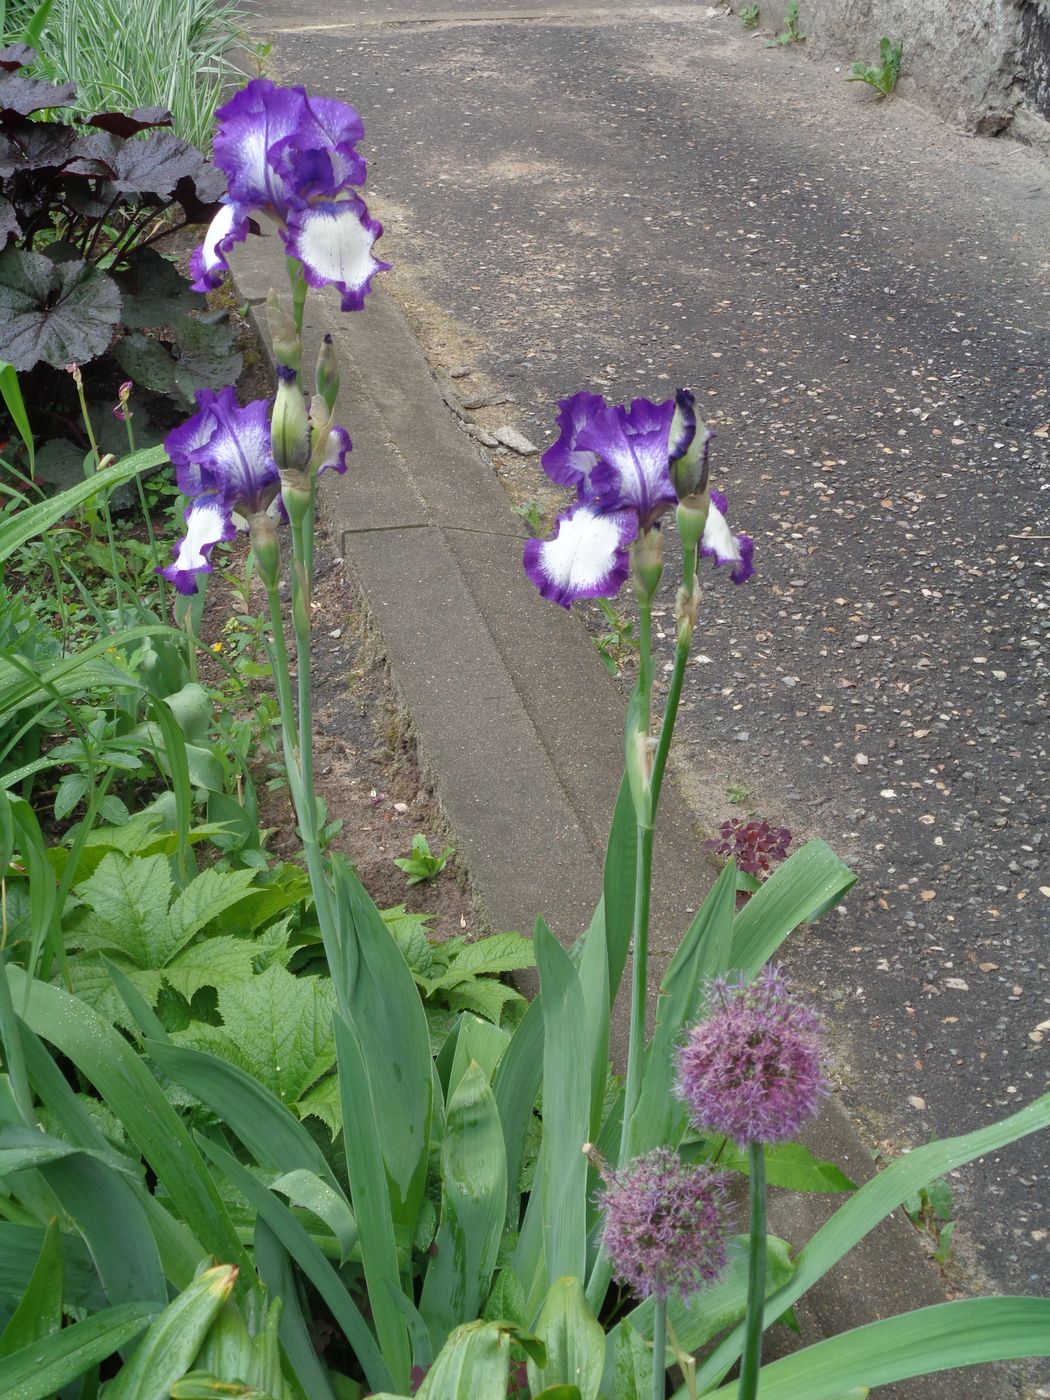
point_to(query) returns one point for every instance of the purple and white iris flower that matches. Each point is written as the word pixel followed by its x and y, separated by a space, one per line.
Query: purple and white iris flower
pixel 293 158
pixel 620 461
pixel 224 462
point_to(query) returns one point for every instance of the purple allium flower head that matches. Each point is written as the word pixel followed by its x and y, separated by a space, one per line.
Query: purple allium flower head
pixel 754 1068
pixel 620 461
pixel 293 158
pixel 666 1224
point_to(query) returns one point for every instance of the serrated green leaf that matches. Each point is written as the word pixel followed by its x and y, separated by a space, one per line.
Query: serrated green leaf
pixel 324 1102
pixel 204 899
pixel 129 899
pixel 484 996
pixel 277 1027
pixel 93 984
pixel 498 953
pixel 213 962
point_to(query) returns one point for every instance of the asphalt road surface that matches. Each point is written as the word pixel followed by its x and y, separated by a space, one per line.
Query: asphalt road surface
pixel 634 196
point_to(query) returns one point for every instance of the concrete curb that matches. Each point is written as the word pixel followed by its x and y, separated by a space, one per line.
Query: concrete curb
pixel 521 729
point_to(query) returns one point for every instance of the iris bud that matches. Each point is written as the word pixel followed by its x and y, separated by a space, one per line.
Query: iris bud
pixel 691 517
pixel 688 447
pixel 289 427
pixel 647 563
pixel 327 376
pixel 287 347
pixel 262 531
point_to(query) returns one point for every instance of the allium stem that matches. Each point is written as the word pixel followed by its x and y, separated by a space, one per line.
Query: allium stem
pixel 659 1348
pixel 756 1274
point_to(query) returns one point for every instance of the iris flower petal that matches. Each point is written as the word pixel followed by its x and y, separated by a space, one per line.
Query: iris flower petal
pixel 585 558
pixel 208 263
pixel 564 462
pixel 720 544
pixel 632 469
pixel 337 449
pixel 254 121
pixel 334 241
pixel 226 449
pixel 207 522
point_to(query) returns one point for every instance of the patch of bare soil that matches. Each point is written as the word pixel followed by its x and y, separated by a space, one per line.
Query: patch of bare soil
pixel 366 761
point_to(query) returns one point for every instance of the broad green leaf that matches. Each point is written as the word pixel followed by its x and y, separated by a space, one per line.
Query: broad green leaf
pixel 205 898
pixel 478 1041
pixel 370 1195
pixel 805 886
pixel 128 899
pixel 20 1247
pixel 506 1302
pixel 265 1126
pixel 306 1189
pixel 39 1312
pixel 500 952
pixel 18 529
pixel 566 1110
pixel 472 1365
pixel 280 1221
pixel 483 996
pixel 37 1371
pixel 276 1027
pixel 791 1166
pixel 211 962
pixel 575 1341
pixel 593 965
pixel 105 1058
pixel 516 1087
pixel 173 1338
pixel 275 1270
pixel 938 1338
pixel 871 1204
pixel 709 1312
pixel 473 1207
pixel 391 1026
pixel 632 1366
pixel 324 1101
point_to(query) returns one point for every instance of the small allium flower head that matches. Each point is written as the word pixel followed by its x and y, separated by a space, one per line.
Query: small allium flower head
pixel 666 1224
pixel 754 1069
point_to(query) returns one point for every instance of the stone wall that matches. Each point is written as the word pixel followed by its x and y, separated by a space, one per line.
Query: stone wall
pixel 983 65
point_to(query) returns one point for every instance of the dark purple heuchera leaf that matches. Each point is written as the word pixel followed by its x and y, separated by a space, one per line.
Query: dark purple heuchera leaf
pixel 130 123
pixel 9 227
pixel 58 313
pixel 19 96
pixel 155 165
pixel 16 56
pixel 200 195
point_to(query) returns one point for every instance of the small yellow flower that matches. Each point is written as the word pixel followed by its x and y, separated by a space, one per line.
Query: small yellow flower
pixel 216 646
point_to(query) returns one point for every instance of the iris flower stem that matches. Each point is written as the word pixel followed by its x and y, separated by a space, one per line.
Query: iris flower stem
pixel 307 810
pixel 659 1348
pixel 756 1274
pixel 285 702
pixel 674 694
pixel 146 516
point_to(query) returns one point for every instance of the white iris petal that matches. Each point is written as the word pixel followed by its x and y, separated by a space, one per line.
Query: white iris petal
pixel 584 551
pixel 205 525
pixel 337 247
pixel 719 538
pixel 219 228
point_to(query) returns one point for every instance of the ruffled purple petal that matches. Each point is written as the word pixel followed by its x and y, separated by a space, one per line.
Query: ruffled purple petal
pixel 586 557
pixel 334 241
pixel 564 462
pixel 632 468
pixel 258 118
pixel 720 544
pixel 207 522
pixel 208 265
pixel 226 448
pixel 320 157
pixel 337 450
